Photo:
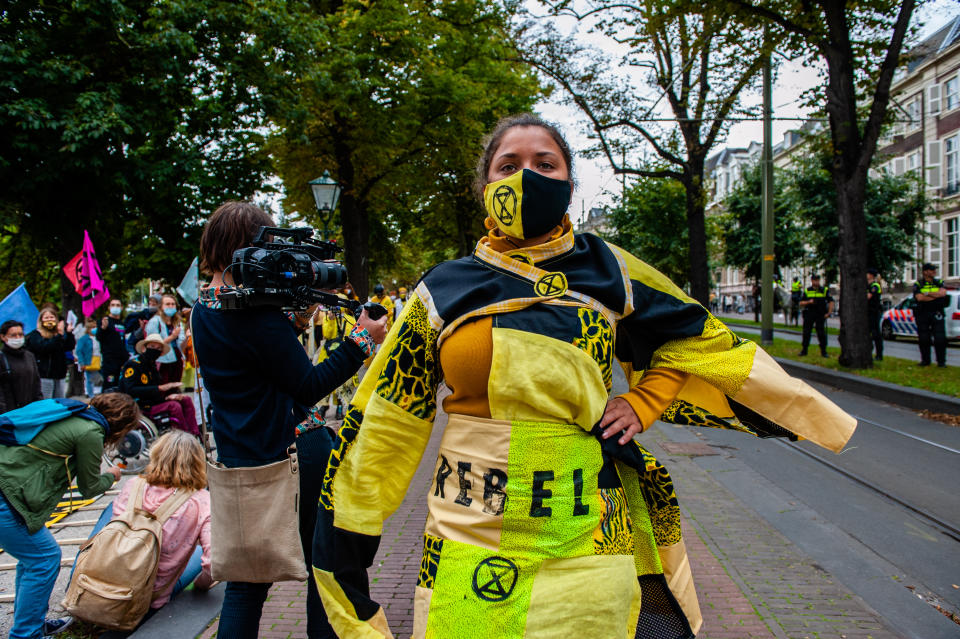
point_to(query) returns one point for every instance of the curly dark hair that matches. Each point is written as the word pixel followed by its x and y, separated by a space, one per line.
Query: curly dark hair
pixel 492 142
pixel 121 412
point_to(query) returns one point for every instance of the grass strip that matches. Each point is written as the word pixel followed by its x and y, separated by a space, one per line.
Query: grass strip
pixel 894 370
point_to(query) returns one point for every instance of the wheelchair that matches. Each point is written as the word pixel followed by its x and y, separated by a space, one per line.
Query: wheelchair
pixel 132 453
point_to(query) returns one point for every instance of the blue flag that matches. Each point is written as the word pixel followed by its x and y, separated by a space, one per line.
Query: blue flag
pixel 18 306
pixel 188 287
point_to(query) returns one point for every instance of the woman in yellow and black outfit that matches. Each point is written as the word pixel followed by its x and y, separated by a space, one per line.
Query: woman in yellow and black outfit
pixel 545 518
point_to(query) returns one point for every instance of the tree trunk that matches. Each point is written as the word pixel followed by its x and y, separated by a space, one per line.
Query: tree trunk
pixel 354 218
pixel 856 350
pixel 697 229
pixel 356 241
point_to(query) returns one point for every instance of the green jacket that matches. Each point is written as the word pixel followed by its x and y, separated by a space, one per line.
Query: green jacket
pixel 34 481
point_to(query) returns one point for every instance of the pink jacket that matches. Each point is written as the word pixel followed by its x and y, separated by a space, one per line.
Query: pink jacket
pixel 181 533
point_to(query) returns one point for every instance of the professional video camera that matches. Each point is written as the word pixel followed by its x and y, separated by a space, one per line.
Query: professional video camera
pixel 286 272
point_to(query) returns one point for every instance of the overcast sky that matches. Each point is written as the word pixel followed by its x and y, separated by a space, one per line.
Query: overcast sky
pixel 595 178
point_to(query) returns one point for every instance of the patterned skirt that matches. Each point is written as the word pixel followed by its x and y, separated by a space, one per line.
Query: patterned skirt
pixel 522 541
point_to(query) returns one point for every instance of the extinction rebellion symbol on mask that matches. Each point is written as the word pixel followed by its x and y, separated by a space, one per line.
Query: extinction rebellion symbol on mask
pixel 495 578
pixel 505 204
pixel 551 285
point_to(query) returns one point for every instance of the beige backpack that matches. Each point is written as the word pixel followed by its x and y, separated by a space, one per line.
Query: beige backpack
pixel 115 571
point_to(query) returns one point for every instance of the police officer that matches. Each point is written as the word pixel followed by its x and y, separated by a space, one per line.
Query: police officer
pixel 931 299
pixel 796 289
pixel 817 306
pixel 874 311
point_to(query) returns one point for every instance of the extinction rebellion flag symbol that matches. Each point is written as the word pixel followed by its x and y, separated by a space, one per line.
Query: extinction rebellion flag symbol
pixel 495 578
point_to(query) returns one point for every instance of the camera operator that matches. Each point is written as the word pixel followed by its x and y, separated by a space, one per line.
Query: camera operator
pixel 261 386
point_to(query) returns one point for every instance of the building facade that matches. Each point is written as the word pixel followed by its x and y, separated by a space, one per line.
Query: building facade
pixel 925 139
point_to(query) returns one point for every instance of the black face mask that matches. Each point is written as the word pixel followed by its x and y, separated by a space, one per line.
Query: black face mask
pixel 527 204
pixel 149 355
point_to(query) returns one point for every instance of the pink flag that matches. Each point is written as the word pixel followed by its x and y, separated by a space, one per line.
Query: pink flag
pixel 93 289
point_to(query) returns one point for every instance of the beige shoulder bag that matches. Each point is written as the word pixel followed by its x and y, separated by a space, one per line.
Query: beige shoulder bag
pixel 255 522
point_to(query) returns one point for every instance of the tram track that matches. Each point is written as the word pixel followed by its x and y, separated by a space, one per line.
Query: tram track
pixel 944 527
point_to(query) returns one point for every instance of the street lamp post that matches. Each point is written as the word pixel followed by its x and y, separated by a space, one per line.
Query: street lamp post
pixel 326 194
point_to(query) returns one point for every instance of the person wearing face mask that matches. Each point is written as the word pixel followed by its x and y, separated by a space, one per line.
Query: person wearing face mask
pixel 110 336
pixel 89 357
pixel 167 323
pixel 350 292
pixel 19 377
pixel 50 343
pixel 141 380
pixel 136 323
pixel 539 488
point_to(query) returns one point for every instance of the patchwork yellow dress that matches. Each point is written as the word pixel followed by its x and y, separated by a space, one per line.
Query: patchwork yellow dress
pixel 537 527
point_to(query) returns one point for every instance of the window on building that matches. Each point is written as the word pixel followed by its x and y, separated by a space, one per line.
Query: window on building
pixel 953 247
pixel 951 154
pixel 913 161
pixel 951 93
pixel 934 242
pixel 913 114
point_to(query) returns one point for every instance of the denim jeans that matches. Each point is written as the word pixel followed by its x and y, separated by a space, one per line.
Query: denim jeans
pixel 52 388
pixel 91 379
pixel 243 602
pixel 190 572
pixel 38 564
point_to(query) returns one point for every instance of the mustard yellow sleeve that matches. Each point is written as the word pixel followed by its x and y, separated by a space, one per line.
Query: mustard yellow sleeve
pixel 654 392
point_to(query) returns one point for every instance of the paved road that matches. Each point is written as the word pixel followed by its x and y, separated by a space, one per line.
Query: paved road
pixel 886 553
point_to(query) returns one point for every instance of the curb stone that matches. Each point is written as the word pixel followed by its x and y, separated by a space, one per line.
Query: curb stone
pixel 912 398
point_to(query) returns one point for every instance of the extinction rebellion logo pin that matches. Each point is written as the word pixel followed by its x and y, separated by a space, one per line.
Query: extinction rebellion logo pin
pixel 551 285
pixel 495 578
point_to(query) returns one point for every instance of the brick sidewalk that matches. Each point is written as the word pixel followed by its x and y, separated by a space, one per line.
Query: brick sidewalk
pixel 751 581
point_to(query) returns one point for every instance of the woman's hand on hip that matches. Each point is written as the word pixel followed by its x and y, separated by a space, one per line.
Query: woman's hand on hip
pixel 619 417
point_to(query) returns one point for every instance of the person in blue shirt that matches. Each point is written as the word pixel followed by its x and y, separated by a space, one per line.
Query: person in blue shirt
pixel 87 349
pixel 263 388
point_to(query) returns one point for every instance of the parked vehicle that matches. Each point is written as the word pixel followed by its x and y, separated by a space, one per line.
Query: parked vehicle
pixel 899 321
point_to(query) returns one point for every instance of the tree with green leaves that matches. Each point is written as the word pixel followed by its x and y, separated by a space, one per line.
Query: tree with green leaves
pixel 650 222
pixel 695 62
pixel 393 98
pixel 894 208
pixel 132 119
pixel 741 222
pixel 860 43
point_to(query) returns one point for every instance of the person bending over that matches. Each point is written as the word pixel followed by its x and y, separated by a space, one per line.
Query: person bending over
pixel 33 479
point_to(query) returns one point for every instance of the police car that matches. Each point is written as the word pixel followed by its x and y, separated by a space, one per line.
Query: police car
pixel 899 322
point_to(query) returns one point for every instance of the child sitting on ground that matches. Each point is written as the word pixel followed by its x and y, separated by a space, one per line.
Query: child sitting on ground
pixel 177 462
